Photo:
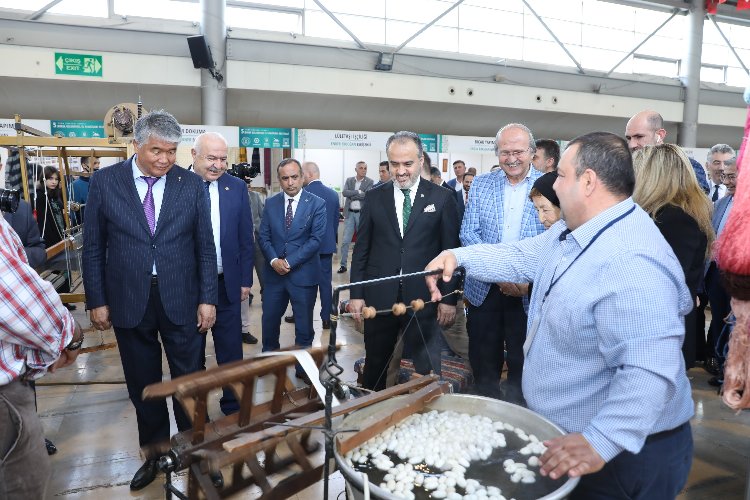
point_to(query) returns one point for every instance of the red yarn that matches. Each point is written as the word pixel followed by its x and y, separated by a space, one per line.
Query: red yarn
pixel 733 246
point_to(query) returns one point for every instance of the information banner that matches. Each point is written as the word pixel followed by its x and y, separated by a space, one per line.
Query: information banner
pixel 466 144
pixel 77 128
pixel 253 137
pixel 190 132
pixel 340 139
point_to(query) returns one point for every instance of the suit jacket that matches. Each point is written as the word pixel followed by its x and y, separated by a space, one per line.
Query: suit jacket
pixel 256 208
pixel 119 250
pixel 236 235
pixel 720 207
pixel 460 203
pixel 350 192
pixel 483 221
pixel 23 223
pixel 331 199
pixel 452 183
pixel 300 246
pixel 381 251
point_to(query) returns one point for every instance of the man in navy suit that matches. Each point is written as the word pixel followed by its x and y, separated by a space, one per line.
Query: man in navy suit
pixel 717 294
pixel 291 231
pixel 232 225
pixel 149 270
pixel 313 185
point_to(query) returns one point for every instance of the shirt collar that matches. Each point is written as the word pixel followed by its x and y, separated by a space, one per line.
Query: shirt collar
pixel 502 175
pixel 412 189
pixel 585 232
pixel 295 198
pixel 137 174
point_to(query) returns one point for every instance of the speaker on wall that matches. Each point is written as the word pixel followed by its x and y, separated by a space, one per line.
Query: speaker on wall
pixel 200 52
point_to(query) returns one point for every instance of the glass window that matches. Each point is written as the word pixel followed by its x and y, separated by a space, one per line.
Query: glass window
pixel 507 5
pixel 716 54
pixel 711 34
pixel 568 10
pixel 542 51
pixel 601 59
pixel 277 3
pixel 437 38
pixel 715 74
pixel 89 8
pixel 609 15
pixel 160 9
pixel 30 5
pixel 418 11
pixel 396 32
pixel 367 29
pixel 738 35
pixel 319 24
pixel 490 20
pixel 663 47
pixel 737 76
pixel 608 38
pixel 567 32
pixel 662 67
pixel 371 8
pixel 491 45
pixel 240 17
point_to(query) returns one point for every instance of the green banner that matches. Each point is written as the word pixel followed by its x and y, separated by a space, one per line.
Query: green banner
pixel 429 142
pixel 77 128
pixel 252 137
pixel 78 64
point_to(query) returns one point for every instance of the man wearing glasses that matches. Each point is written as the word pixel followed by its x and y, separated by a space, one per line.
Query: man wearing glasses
pixel 499 210
pixel 232 226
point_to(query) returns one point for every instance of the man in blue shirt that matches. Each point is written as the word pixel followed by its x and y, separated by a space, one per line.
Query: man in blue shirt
pixel 79 189
pixel 606 323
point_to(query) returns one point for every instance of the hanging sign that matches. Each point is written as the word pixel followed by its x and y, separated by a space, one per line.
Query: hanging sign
pixel 190 132
pixel 253 137
pixel 429 142
pixel 77 128
pixel 78 64
pixel 339 139
pixel 466 144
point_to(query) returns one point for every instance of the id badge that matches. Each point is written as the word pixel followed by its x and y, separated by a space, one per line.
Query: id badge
pixel 530 336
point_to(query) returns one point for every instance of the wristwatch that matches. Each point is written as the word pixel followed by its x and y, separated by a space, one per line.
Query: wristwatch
pixel 74 344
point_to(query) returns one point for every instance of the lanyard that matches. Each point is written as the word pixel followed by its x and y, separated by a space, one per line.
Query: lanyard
pixel 609 224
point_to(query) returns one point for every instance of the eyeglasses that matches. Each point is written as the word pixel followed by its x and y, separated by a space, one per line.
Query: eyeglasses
pixel 730 177
pixel 516 153
pixel 215 159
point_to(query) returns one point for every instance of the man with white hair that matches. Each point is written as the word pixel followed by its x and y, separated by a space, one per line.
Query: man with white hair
pixel 232 231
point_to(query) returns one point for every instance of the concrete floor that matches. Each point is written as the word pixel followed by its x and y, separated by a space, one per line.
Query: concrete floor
pixel 94 426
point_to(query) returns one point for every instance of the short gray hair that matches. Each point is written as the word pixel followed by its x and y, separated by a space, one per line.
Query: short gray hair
pixel 532 142
pixel 720 148
pixel 158 124
pixel 215 135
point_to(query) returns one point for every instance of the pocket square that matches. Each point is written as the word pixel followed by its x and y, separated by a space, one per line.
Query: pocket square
pixel 430 208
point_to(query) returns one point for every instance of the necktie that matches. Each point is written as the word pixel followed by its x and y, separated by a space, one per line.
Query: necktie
pixel 466 197
pixel 206 185
pixel 289 215
pixel 407 207
pixel 715 196
pixel 148 203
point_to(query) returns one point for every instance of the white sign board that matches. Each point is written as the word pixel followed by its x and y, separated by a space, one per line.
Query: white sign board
pixel 466 144
pixel 340 139
pixel 8 126
pixel 190 132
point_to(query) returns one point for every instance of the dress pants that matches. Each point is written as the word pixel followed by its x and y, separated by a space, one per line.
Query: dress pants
pixel 498 323
pixel 720 308
pixel 421 341
pixel 325 286
pixel 227 335
pixel 351 223
pixel 278 293
pixel 24 464
pixel 658 471
pixel 141 356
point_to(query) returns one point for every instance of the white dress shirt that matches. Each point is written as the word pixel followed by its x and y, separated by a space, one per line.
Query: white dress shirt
pixel 213 189
pixel 398 197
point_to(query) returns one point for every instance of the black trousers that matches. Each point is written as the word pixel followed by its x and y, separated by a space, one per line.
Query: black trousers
pixel 141 356
pixel 720 307
pixel 421 341
pixel 499 323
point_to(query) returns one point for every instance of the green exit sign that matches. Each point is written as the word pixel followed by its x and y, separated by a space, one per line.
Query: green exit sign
pixel 78 64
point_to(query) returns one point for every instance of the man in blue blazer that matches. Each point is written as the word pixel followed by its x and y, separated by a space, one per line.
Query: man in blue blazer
pixel 313 185
pixel 232 225
pixel 291 231
pixel 149 270
pixel 499 210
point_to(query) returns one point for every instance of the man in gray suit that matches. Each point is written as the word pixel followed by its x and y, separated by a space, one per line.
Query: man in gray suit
pixel 354 192
pixel 256 208
pixel 149 270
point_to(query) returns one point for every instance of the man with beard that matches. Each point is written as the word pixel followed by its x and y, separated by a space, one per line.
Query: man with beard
pixel 403 225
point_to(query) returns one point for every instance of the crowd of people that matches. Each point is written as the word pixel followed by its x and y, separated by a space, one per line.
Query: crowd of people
pixel 169 254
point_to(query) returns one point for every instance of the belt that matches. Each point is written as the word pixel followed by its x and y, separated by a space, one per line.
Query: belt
pixel 355 211
pixel 221 276
pixel 665 434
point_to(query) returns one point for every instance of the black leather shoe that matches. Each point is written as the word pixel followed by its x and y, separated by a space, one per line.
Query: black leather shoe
pixel 145 475
pixel 248 338
pixel 712 366
pixel 326 324
pixel 341 270
pixel 289 319
pixel 217 479
pixel 303 377
pixel 715 382
pixel 51 448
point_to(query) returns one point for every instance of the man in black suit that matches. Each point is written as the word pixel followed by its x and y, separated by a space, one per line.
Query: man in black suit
pixel 404 224
pixel 149 270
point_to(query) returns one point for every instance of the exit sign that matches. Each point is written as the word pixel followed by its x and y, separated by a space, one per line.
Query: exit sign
pixel 78 64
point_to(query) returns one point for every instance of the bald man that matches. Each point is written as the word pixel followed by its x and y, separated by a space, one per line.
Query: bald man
pixel 647 129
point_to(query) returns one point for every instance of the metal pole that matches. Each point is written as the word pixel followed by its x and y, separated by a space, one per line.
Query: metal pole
pixel 690 75
pixel 214 92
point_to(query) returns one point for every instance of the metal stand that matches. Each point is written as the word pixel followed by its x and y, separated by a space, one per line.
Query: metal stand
pixel 332 383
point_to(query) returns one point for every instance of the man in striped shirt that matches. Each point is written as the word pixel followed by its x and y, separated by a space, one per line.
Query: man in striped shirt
pixel 37 334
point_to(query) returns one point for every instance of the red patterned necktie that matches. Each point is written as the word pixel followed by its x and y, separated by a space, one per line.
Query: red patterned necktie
pixel 289 215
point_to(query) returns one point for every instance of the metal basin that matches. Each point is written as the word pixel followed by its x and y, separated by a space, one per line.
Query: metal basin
pixel 515 415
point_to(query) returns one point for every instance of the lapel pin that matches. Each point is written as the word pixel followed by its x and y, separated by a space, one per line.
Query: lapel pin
pixel 421 195
pixel 179 178
pixel 226 188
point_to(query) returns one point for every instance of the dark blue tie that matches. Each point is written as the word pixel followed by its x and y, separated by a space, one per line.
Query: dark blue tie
pixel 206 185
